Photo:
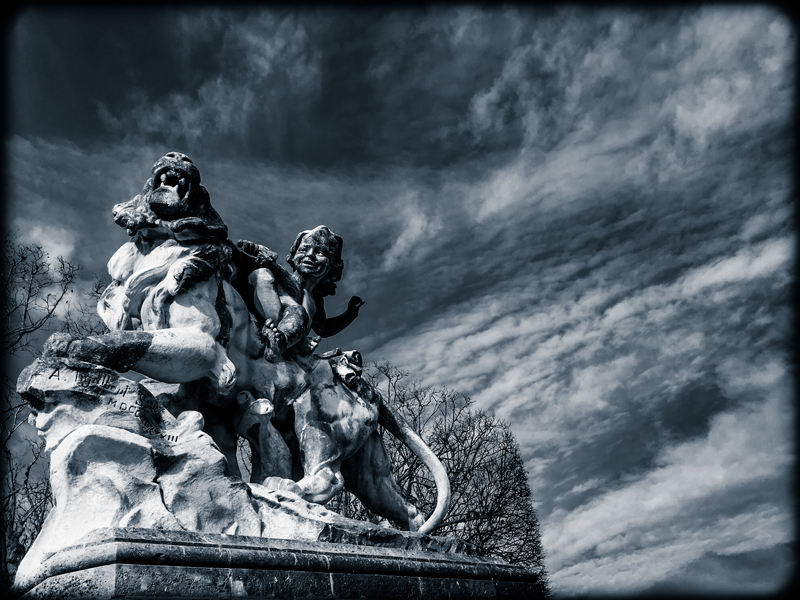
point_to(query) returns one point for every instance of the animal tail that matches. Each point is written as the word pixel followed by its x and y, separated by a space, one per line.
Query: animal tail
pixel 403 431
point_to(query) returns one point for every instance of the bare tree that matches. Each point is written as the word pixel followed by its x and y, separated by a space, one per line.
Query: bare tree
pixel 491 503
pixel 80 317
pixel 33 289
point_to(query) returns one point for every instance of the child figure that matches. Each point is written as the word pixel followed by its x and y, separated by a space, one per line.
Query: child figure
pixel 292 305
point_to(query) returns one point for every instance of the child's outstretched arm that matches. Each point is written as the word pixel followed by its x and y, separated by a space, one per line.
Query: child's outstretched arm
pixel 328 327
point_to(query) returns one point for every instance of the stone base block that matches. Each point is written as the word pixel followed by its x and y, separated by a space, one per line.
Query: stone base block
pixel 140 563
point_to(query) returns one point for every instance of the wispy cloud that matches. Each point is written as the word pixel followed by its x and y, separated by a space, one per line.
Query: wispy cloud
pixel 418 231
pixel 625 539
pixel 266 63
pixel 56 242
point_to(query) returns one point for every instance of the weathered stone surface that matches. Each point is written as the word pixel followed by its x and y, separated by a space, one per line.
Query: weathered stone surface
pixel 64 394
pixel 141 563
pixel 187 306
pixel 118 459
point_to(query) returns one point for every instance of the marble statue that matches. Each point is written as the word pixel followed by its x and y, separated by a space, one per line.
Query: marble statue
pixel 225 337
pixel 118 458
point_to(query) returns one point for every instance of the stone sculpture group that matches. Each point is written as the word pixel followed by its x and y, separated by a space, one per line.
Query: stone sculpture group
pixel 225 339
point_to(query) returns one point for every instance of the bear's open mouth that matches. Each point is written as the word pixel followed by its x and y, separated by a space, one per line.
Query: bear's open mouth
pixel 175 179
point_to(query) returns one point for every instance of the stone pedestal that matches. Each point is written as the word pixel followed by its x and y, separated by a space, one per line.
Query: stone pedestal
pixel 145 563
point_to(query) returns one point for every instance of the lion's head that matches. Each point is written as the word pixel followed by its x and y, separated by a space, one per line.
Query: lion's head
pixel 173 186
pixel 172 198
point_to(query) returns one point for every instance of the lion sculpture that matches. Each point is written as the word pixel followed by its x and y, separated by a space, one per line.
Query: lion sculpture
pixel 176 317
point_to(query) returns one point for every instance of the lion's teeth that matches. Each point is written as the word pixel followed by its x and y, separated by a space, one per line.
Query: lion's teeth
pixel 182 181
pixel 163 177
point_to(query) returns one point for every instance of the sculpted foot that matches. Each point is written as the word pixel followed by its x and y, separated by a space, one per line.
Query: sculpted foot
pixel 254 407
pixel 276 341
pixel 279 483
pixel 415 519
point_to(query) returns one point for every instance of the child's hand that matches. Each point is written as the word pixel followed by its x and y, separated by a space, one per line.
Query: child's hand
pixel 354 304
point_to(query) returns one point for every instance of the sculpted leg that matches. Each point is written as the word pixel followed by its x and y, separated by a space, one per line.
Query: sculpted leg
pixel 188 350
pixel 285 321
pixel 266 299
pixel 168 355
pixel 322 459
pixel 368 475
pixel 117 350
pixel 180 355
pixel 331 422
pixel 185 351
pixel 270 454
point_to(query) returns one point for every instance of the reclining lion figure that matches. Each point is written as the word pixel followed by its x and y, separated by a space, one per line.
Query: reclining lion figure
pixel 176 317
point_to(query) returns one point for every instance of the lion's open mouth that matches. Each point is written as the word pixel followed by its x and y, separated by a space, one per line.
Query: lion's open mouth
pixel 175 179
pixel 172 187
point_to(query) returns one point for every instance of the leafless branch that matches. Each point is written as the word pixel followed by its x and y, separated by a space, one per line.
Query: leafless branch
pixel 491 504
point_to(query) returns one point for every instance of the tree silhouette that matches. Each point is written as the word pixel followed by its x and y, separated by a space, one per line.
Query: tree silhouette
pixel 491 504
pixel 36 294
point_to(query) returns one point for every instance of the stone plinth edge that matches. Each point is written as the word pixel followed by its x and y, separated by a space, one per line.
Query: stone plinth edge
pixel 143 563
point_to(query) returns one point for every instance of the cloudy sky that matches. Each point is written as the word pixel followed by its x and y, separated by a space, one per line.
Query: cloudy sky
pixel 580 217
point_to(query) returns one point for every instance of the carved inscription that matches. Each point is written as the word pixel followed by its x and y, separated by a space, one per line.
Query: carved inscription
pixel 121 394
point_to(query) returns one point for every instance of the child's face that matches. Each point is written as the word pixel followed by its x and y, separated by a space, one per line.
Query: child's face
pixel 312 258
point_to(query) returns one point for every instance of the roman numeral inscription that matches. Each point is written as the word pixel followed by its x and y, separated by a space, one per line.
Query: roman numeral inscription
pixel 103 387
